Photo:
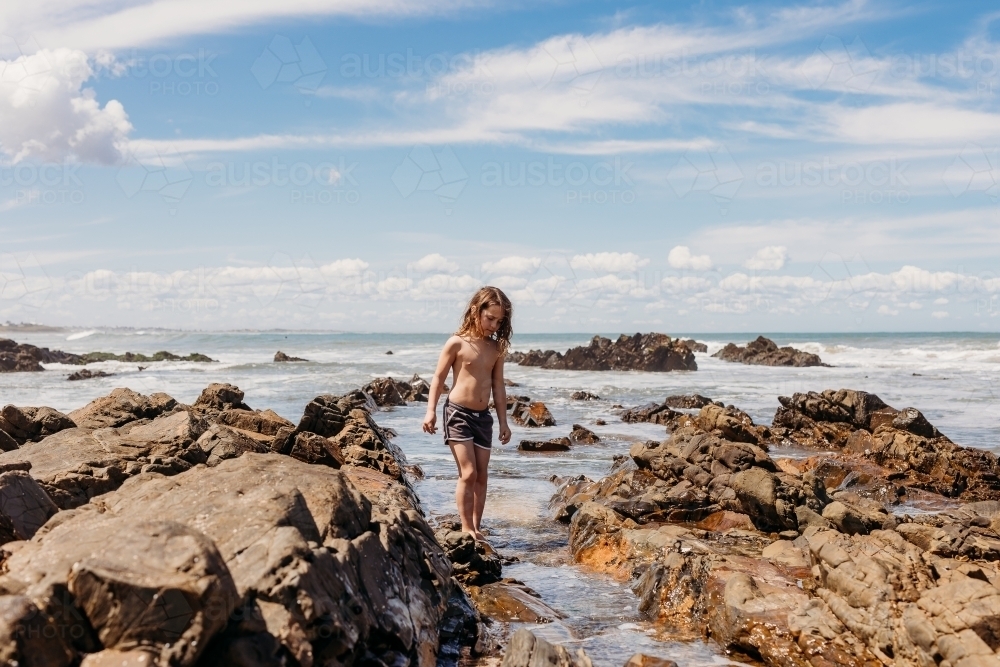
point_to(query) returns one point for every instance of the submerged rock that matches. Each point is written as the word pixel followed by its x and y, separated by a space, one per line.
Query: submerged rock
pixel 533 415
pixel 553 445
pixel 87 374
pixel 527 650
pixel 583 435
pixel 23 357
pixel 690 401
pixel 640 352
pixel 584 396
pixel 655 413
pixel 765 352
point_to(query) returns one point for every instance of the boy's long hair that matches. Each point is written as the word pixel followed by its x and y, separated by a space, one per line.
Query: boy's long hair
pixel 484 298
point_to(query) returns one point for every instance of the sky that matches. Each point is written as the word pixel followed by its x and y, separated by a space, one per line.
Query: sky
pixel 365 166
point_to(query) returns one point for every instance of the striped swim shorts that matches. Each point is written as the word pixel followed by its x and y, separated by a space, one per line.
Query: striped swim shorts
pixel 462 424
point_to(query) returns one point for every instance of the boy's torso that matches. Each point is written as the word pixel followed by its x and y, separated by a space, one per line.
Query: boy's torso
pixel 473 373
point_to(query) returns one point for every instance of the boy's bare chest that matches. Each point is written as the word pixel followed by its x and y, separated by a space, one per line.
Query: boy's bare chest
pixel 477 362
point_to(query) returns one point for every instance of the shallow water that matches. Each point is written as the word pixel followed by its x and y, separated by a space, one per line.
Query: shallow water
pixel 954 379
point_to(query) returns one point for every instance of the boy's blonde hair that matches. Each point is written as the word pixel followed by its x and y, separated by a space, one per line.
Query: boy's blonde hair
pixel 482 299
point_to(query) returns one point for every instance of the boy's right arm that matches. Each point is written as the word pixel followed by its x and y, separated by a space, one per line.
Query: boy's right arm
pixel 445 362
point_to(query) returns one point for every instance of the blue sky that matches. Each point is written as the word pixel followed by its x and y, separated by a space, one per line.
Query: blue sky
pixel 365 166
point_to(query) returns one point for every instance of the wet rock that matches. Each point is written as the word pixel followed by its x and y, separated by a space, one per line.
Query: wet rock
pixel 527 650
pixel 510 383
pixel 281 358
pixel 87 374
pixel 386 391
pixel 584 396
pixel 316 449
pixel 363 443
pixel 512 399
pixel 731 424
pixel 132 357
pixel 420 389
pixel 474 563
pixel 759 494
pixel 694 345
pixel 21 425
pixel 765 352
pixel 640 352
pixel 655 413
pixel 120 407
pixel 689 401
pixel 533 415
pixel 912 421
pixel 584 435
pixel 23 357
pixel 24 506
pixel 643 660
pixel 510 601
pixel 553 445
pixel 847 406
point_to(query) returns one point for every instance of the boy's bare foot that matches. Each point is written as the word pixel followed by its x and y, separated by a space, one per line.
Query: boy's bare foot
pixel 479 536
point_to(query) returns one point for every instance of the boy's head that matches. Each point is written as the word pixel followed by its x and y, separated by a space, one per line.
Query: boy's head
pixel 488 315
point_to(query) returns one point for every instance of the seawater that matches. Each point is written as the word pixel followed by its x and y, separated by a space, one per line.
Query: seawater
pixel 954 379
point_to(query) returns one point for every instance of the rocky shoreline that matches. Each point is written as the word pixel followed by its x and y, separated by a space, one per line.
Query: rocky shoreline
pixel 640 352
pixel 264 542
pixel 882 549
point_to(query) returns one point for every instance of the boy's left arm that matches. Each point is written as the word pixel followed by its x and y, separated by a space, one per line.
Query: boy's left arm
pixel 500 400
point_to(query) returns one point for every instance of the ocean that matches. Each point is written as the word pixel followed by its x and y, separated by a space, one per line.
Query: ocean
pixel 953 378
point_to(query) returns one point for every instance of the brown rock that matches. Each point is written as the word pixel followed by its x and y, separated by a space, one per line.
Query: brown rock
pixel 316 449
pixel 643 660
pixel 120 407
pixel 510 601
pixel 553 445
pixel 281 358
pixel 87 374
pixel 217 397
pixel 473 563
pixel 220 442
pixel 694 345
pixel 764 352
pixel 689 401
pixel 584 396
pixel 527 650
pixel 387 392
pixel 31 638
pixel 24 506
pixel 533 415
pixel 28 358
pixel 641 352
pixel 655 413
pixel 584 435
pixel 264 422
pixel 20 425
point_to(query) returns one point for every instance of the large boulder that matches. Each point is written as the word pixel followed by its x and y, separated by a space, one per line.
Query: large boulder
pixel 640 352
pixel 765 352
pixel 532 415
pixel 528 650
pixel 24 506
pixel 20 425
pixel 654 413
pixel 120 407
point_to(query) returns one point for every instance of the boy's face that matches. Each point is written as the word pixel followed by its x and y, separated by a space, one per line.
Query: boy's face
pixel 489 319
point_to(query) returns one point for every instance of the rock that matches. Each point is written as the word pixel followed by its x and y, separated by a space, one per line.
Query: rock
pixel 510 601
pixel 87 374
pixel 120 407
pixel 28 358
pixel 473 563
pixel 420 389
pixel 24 506
pixel 134 357
pixel 641 352
pixel 533 415
pixel 31 638
pixel 512 399
pixel 583 435
pixel 764 352
pixel 758 492
pixel 584 396
pixel 262 422
pixel 510 383
pixel 912 421
pixel 643 660
pixel 170 602
pixel 22 425
pixel 220 442
pixel 363 443
pixel 114 658
pixel 386 391
pixel 317 568
pixel 317 450
pixel 694 345
pixel 217 397
pixel 731 424
pixel 281 358
pixel 527 650
pixel 553 445
pixel 695 401
pixel 600 422
pixel 655 413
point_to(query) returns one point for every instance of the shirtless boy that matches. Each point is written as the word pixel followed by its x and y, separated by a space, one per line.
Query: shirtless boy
pixel 475 356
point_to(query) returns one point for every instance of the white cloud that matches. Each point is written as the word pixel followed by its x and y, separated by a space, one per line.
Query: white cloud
pixel 513 266
pixel 680 257
pixel 886 310
pixel 768 258
pixel 345 267
pixel 940 314
pixel 609 262
pixel 915 305
pixel 940 301
pixel 433 262
pixel 49 115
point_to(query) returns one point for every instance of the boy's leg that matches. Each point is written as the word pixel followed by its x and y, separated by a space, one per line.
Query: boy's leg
pixel 482 476
pixel 465 458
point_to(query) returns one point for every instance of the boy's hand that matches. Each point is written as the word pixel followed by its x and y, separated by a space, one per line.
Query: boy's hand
pixel 504 434
pixel 430 422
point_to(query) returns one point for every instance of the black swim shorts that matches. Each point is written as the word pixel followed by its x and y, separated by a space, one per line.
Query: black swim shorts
pixel 462 424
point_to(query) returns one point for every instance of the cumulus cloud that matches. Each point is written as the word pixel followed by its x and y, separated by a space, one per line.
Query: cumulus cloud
pixel 680 257
pixel 940 314
pixel 886 310
pixel 513 266
pixel 433 262
pixel 48 114
pixel 768 258
pixel 608 262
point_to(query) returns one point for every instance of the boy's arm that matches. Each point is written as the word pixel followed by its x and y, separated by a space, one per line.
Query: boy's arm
pixel 445 362
pixel 500 399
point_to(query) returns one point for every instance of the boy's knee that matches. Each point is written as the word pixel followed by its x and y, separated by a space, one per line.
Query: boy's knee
pixel 469 476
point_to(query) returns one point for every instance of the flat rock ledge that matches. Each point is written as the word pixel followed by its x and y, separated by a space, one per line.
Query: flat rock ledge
pixel 792 562
pixel 640 352
pixel 263 542
pixel 765 352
